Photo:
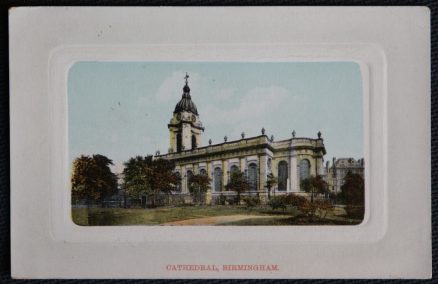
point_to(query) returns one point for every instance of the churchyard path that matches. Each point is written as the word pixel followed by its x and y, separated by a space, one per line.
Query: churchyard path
pixel 218 220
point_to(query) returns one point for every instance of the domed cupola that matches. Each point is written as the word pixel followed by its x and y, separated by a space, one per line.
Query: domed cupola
pixel 185 128
pixel 186 103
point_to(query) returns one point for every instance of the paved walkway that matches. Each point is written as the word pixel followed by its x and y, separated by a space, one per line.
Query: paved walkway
pixel 218 220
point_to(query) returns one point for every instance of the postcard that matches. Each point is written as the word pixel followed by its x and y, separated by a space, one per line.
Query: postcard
pixel 220 142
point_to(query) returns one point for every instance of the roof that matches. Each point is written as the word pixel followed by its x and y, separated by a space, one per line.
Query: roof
pixel 186 103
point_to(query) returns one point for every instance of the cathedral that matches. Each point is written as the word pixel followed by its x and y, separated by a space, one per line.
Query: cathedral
pixel 290 160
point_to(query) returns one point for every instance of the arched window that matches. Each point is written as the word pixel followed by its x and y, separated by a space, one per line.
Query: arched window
pixel 282 175
pixel 194 142
pixel 189 177
pixel 234 169
pixel 178 185
pixel 304 169
pixel 252 176
pixel 203 172
pixel 178 142
pixel 217 179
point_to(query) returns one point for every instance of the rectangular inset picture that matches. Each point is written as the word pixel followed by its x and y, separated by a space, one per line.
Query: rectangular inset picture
pixel 216 143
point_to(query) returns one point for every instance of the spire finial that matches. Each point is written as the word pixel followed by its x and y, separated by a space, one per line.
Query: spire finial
pixel 186 77
pixel 186 88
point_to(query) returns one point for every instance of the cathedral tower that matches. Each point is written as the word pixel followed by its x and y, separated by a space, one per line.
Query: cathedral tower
pixel 185 128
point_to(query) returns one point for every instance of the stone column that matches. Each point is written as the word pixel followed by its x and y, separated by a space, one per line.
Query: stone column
pixel 242 164
pixel 198 138
pixel 210 170
pixel 224 174
pixel 293 174
pixel 172 140
pixel 319 166
pixel 263 172
pixel 187 136
pixel 184 188
pixel 313 165
pixel 210 175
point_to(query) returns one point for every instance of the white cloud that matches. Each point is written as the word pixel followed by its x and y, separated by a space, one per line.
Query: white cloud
pixel 257 103
pixel 171 87
pixel 117 168
pixel 257 109
pixel 222 94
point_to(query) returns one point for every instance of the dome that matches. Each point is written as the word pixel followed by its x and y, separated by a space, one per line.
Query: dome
pixel 186 103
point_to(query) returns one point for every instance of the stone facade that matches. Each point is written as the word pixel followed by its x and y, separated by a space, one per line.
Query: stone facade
pixel 340 167
pixel 288 160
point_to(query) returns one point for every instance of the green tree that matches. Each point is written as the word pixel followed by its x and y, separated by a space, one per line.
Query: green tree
pixel 136 176
pixel 238 183
pixel 353 189
pixel 150 176
pixel 314 185
pixel 92 178
pixel 270 183
pixel 198 186
pixel 163 178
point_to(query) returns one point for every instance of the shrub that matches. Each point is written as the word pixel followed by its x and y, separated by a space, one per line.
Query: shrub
pixel 277 202
pixel 323 207
pixel 318 207
pixel 177 200
pixel 307 208
pixel 222 199
pixel 355 211
pixel 233 200
pixel 295 200
pixel 251 201
pixel 198 198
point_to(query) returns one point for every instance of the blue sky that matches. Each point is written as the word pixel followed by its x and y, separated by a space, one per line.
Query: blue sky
pixel 121 109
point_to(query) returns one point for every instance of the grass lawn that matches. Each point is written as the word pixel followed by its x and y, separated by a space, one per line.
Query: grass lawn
pixel 161 215
pixel 156 216
pixel 290 221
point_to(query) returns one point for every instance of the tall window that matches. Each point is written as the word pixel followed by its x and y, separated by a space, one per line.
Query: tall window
pixel 252 176
pixel 203 172
pixel 282 175
pixel 178 185
pixel 194 142
pixel 234 169
pixel 189 177
pixel 304 169
pixel 178 142
pixel 217 179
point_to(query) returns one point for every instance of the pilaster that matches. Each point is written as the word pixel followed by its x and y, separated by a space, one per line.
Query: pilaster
pixel 224 174
pixel 263 172
pixel 186 136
